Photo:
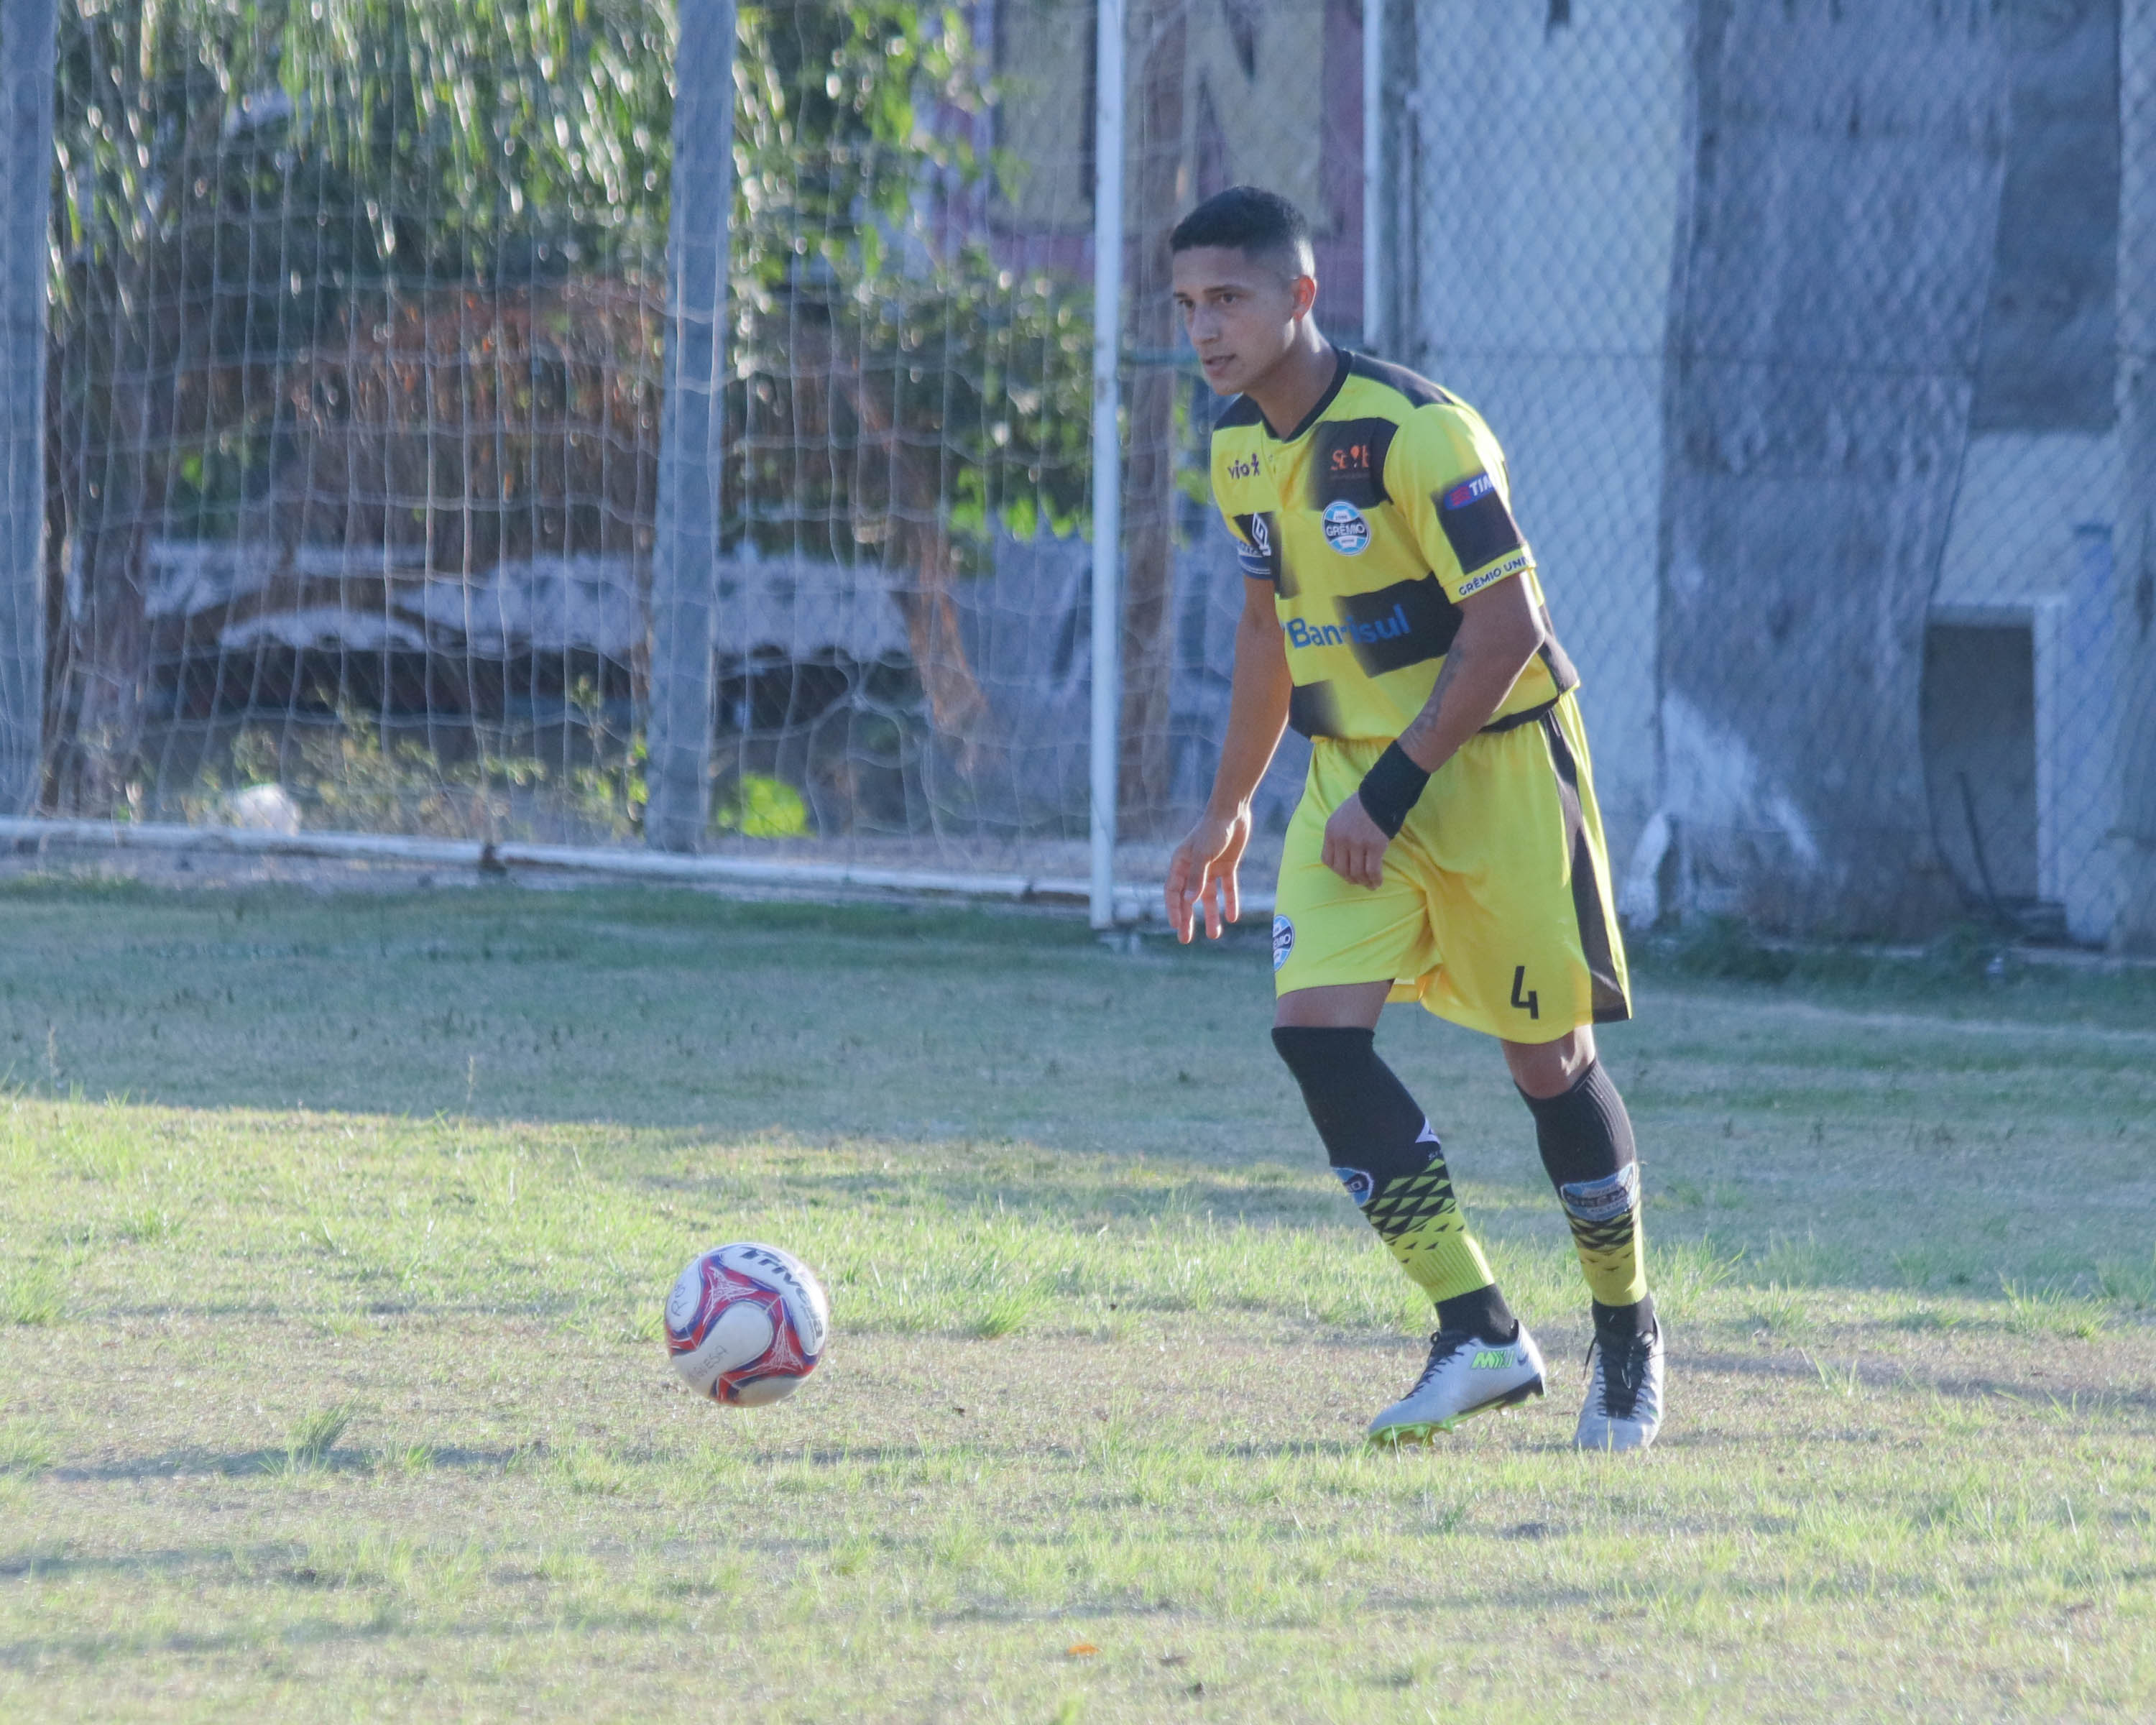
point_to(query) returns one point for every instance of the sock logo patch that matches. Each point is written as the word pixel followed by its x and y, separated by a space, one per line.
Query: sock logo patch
pixel 1283 941
pixel 1359 1185
pixel 1605 1200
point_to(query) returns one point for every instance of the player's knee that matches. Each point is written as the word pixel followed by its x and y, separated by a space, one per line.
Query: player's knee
pixel 1361 1110
pixel 1550 1068
pixel 1584 1133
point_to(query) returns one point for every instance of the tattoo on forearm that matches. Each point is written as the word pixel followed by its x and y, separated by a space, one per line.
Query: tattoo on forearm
pixel 1422 729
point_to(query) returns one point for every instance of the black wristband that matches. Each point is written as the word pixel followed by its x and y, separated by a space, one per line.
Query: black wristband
pixel 1390 787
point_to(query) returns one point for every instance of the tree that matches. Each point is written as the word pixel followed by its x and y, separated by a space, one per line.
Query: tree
pixel 240 185
pixel 260 196
pixel 902 394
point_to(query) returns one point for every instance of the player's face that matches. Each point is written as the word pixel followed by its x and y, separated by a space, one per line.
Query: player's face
pixel 1241 313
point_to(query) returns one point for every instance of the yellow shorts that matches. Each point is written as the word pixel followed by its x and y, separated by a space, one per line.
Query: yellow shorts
pixel 1495 912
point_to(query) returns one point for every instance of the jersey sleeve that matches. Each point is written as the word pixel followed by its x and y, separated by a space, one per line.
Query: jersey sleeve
pixel 1256 533
pixel 1448 476
pixel 1255 563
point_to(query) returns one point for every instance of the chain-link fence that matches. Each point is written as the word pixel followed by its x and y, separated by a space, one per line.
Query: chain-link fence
pixel 468 422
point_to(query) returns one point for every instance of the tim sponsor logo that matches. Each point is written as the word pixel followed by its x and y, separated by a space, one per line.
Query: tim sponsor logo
pixel 1468 491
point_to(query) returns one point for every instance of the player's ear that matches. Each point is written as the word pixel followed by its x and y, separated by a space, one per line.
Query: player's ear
pixel 1305 290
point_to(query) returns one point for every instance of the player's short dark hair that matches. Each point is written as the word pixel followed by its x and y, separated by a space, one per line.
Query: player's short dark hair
pixel 1250 220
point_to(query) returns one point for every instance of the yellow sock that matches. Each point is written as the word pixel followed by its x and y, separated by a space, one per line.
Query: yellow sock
pixel 1418 1218
pixel 1604 1215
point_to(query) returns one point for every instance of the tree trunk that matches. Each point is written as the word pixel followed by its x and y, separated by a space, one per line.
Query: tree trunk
pixel 914 534
pixel 1825 318
pixel 1161 44
pixel 27 49
pixel 104 644
pixel 2133 587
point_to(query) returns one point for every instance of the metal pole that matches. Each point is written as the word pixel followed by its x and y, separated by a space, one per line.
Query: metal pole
pixel 691 434
pixel 1107 451
pixel 27 49
pixel 1376 337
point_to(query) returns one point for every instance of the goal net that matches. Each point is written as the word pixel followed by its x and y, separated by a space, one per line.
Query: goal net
pixel 384 494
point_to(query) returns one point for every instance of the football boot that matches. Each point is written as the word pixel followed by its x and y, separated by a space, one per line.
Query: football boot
pixel 1623 1408
pixel 1467 1375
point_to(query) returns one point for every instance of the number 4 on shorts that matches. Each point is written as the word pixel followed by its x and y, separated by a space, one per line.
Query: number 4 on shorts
pixel 1532 1003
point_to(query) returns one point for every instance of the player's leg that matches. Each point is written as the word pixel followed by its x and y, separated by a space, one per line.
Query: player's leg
pixel 1586 1138
pixel 1381 1145
pixel 1337 951
pixel 1532 956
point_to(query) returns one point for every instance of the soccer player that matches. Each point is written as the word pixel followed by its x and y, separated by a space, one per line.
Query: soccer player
pixel 1447 847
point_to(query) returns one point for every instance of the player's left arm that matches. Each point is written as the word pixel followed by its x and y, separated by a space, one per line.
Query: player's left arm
pixel 1455 494
pixel 1500 629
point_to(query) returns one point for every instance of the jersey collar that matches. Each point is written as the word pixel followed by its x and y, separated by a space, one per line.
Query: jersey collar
pixel 1347 363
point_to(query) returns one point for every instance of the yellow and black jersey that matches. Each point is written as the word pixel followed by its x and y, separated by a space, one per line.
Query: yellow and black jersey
pixel 1388 505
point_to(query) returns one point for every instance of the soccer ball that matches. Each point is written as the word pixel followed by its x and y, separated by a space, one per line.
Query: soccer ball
pixel 745 1323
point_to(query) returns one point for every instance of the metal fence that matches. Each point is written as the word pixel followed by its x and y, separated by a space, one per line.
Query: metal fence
pixel 723 430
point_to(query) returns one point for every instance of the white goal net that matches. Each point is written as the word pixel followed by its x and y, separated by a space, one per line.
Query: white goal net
pixel 605 424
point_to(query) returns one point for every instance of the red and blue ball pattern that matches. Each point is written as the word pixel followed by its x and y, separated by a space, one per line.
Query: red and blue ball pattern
pixel 745 1323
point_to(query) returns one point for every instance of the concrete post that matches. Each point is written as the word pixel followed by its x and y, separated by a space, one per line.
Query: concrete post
pixel 685 548
pixel 2132 619
pixel 27 47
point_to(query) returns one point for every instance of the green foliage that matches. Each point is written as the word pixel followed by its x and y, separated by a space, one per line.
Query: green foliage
pixel 859 327
pixel 759 807
pixel 32 1296
pixel 235 179
pixel 25 1451
pixel 351 776
pixel 240 181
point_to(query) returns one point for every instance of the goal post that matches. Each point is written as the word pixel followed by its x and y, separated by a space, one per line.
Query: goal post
pixel 688 540
pixel 26 154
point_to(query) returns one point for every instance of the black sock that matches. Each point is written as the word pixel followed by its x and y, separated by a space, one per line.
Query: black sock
pixel 1382 1147
pixel 1482 1313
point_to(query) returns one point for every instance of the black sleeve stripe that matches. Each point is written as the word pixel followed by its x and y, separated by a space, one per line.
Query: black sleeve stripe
pixel 1261 531
pixel 1477 525
pixel 1419 391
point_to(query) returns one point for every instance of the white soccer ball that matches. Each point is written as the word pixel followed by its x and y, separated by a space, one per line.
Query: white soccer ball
pixel 745 1323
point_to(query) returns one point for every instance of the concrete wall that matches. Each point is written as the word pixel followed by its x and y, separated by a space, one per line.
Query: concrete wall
pixel 1541 188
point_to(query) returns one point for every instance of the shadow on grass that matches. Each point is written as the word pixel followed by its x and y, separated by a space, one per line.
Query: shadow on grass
pixel 2094 1396
pixel 184 1464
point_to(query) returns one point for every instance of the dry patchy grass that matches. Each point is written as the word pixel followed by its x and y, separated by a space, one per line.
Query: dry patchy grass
pixel 332 1235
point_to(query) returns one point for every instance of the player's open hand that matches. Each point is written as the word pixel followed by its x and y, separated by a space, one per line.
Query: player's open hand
pixel 1203 872
pixel 1355 845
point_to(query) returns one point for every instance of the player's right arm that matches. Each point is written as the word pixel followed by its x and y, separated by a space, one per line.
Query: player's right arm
pixel 1203 870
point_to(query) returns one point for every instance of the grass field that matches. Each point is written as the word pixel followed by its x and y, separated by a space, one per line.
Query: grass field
pixel 333 1232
